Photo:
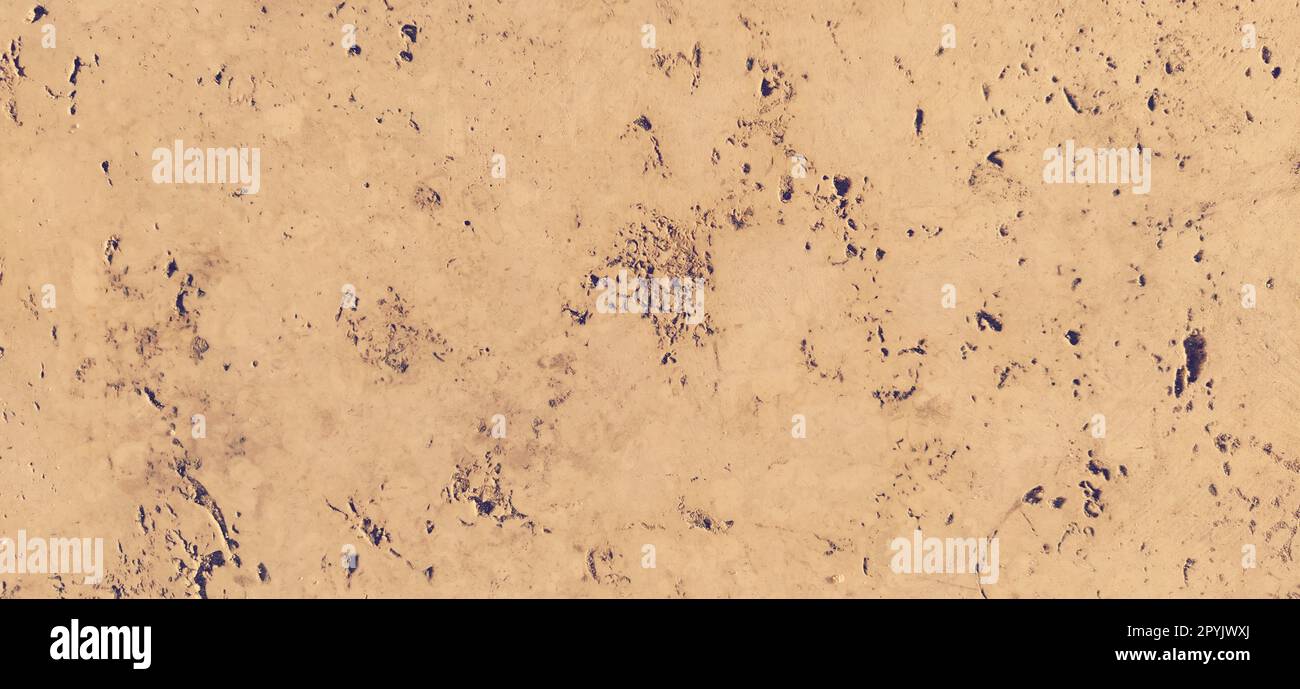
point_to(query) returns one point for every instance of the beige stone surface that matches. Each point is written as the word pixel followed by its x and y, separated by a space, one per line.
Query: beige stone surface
pixel 332 429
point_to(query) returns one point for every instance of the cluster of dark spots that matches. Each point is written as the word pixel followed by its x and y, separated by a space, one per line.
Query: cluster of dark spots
pixel 1194 349
pixel 809 358
pixel 1034 496
pixel 894 395
pixel 1267 55
pixel 153 398
pixel 740 219
pixel 375 533
pixel 1098 469
pixel 1092 499
pixel 111 247
pixel 198 347
pixel 1178 381
pixel 666 63
pixel 698 519
pixel 787 189
pixel 1225 442
pixel 984 319
pixel 1289 464
pixel 428 198
pixel 919 348
pixel 578 317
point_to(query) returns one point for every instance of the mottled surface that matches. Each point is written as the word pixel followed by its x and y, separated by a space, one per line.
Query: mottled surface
pixel 372 427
